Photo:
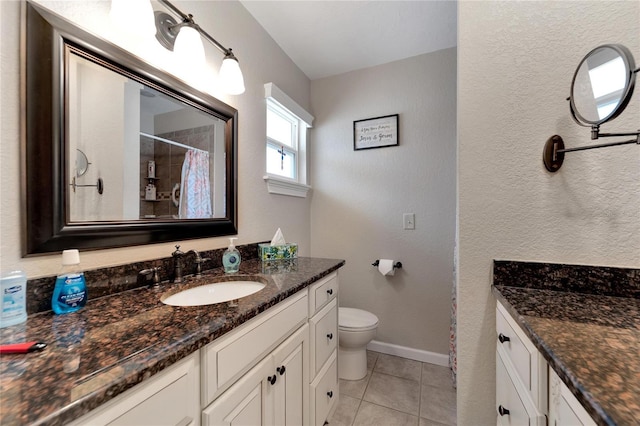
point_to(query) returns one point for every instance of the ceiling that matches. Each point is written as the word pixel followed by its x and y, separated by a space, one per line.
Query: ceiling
pixel 326 38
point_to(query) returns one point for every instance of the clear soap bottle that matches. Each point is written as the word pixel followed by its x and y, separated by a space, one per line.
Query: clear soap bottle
pixel 231 258
pixel 70 292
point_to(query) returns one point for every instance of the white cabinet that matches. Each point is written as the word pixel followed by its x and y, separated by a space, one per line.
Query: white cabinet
pixel 273 392
pixel 291 389
pixel 171 397
pixel 564 408
pixel 521 375
pixel 247 402
pixel 226 359
pixel 323 323
pixel 279 368
pixel 526 388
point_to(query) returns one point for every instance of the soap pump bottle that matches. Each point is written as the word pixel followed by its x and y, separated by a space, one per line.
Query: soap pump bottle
pixel 70 292
pixel 231 258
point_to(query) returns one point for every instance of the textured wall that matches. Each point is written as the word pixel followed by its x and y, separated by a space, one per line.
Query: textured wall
pixel 262 61
pixel 359 196
pixel 516 61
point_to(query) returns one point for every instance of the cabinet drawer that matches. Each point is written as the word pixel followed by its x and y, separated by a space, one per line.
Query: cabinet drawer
pixel 324 335
pixel 513 404
pixel 322 292
pixel 519 354
pixel 324 392
pixel 227 358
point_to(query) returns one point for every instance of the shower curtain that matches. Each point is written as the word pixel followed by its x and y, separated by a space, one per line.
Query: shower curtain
pixel 195 190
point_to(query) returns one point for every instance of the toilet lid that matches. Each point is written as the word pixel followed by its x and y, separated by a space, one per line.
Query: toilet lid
pixel 356 318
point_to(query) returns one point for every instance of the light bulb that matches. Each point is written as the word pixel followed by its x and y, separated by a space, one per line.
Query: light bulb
pixel 188 48
pixel 231 76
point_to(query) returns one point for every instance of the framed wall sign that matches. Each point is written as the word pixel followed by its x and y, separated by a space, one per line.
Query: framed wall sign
pixel 375 132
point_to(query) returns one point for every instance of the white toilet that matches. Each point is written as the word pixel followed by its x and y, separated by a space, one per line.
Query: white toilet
pixel 356 328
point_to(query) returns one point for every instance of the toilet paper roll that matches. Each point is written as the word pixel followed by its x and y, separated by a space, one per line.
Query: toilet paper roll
pixel 385 267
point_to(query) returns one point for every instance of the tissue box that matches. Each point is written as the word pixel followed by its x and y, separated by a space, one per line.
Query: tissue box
pixel 284 251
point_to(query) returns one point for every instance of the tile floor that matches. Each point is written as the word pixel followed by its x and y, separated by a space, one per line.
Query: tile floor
pixel 397 391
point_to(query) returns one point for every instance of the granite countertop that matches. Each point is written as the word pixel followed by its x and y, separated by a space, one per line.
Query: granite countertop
pixel 592 341
pixel 115 342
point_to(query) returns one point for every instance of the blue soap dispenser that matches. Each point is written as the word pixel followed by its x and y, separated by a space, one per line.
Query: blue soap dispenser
pixel 231 258
pixel 70 292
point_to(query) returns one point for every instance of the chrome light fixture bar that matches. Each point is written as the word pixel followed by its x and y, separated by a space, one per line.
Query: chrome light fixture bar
pixel 168 30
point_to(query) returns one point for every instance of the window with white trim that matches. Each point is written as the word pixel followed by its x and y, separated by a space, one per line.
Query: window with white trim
pixel 286 144
pixel 282 142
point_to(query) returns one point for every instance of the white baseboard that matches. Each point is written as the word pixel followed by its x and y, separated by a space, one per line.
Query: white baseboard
pixel 409 353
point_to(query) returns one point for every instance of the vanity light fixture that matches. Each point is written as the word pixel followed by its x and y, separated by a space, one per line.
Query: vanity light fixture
pixel 133 16
pixel 602 87
pixel 184 39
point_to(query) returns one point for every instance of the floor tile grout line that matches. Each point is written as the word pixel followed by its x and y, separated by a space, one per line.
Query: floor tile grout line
pixel 420 393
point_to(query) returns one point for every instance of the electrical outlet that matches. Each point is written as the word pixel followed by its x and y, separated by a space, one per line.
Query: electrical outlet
pixel 409 221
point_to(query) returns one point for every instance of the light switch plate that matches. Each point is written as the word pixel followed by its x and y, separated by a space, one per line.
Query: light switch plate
pixel 409 220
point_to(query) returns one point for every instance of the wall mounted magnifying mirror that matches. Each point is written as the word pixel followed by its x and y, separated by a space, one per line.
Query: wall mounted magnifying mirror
pixel 601 88
pixel 145 132
pixel 82 163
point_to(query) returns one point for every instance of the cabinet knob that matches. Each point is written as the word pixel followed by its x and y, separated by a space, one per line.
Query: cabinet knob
pixel 281 370
pixel 272 379
pixel 330 291
pixel 503 411
pixel 330 336
pixel 503 338
pixel 330 394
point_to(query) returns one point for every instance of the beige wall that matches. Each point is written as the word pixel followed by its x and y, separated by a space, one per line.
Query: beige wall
pixel 359 197
pixel 262 61
pixel 515 65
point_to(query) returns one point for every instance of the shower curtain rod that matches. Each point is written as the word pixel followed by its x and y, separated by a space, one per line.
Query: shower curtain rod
pixel 170 142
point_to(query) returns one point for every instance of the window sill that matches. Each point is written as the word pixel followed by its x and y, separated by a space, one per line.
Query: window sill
pixel 285 187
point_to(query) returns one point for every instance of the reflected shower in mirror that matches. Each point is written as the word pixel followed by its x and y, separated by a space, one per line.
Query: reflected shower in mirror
pixel 159 150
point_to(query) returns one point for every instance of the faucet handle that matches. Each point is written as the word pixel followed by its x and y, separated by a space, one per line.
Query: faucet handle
pixel 154 271
pixel 177 253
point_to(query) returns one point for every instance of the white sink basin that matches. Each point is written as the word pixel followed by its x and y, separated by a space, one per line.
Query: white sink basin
pixel 209 294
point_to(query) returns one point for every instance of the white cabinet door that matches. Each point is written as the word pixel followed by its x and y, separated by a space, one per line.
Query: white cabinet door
pixel 513 407
pixel 249 401
pixel 564 408
pixel 168 398
pixel 292 371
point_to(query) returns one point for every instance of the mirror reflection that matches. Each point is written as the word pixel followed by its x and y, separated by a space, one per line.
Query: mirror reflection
pixel 82 163
pixel 600 84
pixel 158 158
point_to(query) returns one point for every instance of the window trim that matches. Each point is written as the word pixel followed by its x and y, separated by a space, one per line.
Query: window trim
pixel 297 187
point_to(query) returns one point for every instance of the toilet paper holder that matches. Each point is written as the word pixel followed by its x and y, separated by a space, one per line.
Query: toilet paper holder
pixel 396 265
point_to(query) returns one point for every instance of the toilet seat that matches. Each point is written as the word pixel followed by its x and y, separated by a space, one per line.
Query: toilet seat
pixel 352 319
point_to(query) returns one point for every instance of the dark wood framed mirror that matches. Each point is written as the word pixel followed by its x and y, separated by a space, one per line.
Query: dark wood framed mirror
pixel 137 188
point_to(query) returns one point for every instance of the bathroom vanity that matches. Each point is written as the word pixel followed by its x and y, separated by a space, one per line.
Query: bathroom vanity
pixel 270 358
pixel 567 344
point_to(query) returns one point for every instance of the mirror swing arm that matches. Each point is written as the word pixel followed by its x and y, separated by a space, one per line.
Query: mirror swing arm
pixel 554 148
